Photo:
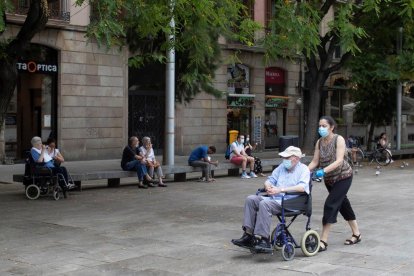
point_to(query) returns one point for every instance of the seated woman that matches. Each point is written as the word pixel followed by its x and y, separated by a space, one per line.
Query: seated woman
pixel 384 144
pixel 40 155
pixel 148 153
pixel 132 160
pixel 54 152
pixel 248 148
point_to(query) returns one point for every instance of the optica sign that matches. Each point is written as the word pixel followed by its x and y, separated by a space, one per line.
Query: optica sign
pixel 33 67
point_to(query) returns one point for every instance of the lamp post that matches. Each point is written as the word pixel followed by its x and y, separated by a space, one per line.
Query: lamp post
pixel 399 92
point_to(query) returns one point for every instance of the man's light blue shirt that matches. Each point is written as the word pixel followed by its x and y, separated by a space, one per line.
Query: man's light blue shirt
pixel 282 178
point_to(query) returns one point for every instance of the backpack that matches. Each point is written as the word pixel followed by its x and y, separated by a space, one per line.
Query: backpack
pixel 228 151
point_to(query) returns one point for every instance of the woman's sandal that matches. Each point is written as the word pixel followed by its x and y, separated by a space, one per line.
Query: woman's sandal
pixel 325 244
pixel 351 242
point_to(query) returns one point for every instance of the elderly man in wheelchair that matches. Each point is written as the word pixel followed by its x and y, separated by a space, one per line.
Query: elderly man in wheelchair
pixel 39 159
pixel 289 182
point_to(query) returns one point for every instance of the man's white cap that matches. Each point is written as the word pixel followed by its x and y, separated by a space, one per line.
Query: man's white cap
pixel 291 150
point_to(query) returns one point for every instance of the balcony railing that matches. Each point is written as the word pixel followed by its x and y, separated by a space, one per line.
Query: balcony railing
pixel 57 9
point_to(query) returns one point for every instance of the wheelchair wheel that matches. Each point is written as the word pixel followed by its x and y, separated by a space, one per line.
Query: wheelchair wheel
pixel 277 243
pixel 310 243
pixel 32 191
pixel 288 251
pixel 56 193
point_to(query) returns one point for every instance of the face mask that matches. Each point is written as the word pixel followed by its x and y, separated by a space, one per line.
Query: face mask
pixel 287 163
pixel 242 141
pixel 323 131
pixel 247 139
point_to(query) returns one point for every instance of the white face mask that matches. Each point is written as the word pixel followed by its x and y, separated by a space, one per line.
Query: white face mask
pixel 247 139
pixel 242 141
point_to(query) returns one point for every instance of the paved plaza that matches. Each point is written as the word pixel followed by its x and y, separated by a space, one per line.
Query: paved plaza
pixel 186 229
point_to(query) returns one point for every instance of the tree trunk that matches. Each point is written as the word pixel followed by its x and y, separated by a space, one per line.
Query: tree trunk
pixel 312 122
pixel 8 78
pixel 36 20
pixel 370 134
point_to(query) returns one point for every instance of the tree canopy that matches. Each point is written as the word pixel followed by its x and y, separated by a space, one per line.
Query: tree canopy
pixel 314 30
pixel 144 25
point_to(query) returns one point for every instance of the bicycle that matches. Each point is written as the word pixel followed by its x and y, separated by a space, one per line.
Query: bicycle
pixel 380 155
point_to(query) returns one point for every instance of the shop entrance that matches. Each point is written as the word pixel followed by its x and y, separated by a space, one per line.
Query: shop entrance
pixel 274 127
pixel 32 110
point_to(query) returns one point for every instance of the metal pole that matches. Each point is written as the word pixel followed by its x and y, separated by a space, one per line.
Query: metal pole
pixel 399 93
pixel 170 96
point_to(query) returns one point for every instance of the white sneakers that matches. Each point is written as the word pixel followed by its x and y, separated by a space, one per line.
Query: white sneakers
pixel 247 176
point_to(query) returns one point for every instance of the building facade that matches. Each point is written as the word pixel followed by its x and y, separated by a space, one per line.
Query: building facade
pixel 68 88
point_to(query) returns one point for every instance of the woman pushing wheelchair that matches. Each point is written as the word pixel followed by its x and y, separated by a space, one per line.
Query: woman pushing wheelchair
pixel 329 161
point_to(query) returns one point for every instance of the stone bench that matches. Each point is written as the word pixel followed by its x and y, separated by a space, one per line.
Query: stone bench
pixel 179 171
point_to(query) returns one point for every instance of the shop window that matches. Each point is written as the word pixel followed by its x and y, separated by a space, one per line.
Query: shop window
pixel 58 9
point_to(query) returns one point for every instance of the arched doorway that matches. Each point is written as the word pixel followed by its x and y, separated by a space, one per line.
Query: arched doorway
pixel 33 108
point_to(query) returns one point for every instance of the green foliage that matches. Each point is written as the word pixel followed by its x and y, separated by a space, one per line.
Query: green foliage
pixel 144 25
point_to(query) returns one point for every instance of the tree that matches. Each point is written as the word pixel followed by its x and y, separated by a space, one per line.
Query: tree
pixel 378 68
pixel 295 33
pixel 144 27
pixel 10 51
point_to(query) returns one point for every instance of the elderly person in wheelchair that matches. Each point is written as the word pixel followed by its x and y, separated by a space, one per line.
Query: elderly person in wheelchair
pixel 41 157
pixel 290 176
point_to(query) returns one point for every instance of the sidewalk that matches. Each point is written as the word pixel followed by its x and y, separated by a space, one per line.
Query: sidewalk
pixel 186 229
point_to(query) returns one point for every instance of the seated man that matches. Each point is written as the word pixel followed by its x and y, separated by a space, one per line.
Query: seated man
pixel 239 157
pixel 40 155
pixel 290 176
pixel 133 161
pixel 199 158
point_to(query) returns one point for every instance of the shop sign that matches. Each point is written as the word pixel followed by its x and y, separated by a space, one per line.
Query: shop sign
pixel 274 75
pixel 33 67
pixel 238 79
pixel 276 102
pixel 240 101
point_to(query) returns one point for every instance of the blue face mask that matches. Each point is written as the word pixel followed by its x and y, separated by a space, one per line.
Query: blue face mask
pixel 323 131
pixel 287 163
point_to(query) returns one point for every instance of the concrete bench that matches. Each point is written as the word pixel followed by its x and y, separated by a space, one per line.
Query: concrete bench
pixel 179 171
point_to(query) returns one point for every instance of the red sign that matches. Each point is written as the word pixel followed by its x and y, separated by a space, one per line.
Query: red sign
pixel 274 75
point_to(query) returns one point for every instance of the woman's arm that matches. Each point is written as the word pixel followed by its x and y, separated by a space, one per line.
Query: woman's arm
pixel 315 160
pixel 59 157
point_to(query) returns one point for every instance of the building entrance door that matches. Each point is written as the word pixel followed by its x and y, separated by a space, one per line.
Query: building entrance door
pixel 147 116
pixel 33 108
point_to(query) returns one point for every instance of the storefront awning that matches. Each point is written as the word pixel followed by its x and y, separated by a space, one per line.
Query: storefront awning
pixel 240 100
pixel 276 101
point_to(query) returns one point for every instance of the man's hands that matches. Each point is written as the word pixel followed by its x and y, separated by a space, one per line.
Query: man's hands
pixel 271 190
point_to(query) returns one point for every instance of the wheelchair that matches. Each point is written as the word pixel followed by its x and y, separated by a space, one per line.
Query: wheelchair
pixel 281 238
pixel 41 181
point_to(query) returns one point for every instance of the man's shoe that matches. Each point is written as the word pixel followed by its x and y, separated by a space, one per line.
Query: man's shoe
pixel 246 241
pixel 263 246
pixel 152 185
pixel 162 185
pixel 253 175
pixel 245 176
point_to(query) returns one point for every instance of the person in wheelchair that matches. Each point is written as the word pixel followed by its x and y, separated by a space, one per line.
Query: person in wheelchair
pixel 291 176
pixel 40 155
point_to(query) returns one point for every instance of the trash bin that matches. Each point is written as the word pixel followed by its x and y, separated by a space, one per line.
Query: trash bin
pixel 233 135
pixel 288 140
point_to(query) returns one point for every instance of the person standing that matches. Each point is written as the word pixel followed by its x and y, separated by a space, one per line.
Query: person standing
pixel 239 157
pixel 199 158
pixel 337 174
